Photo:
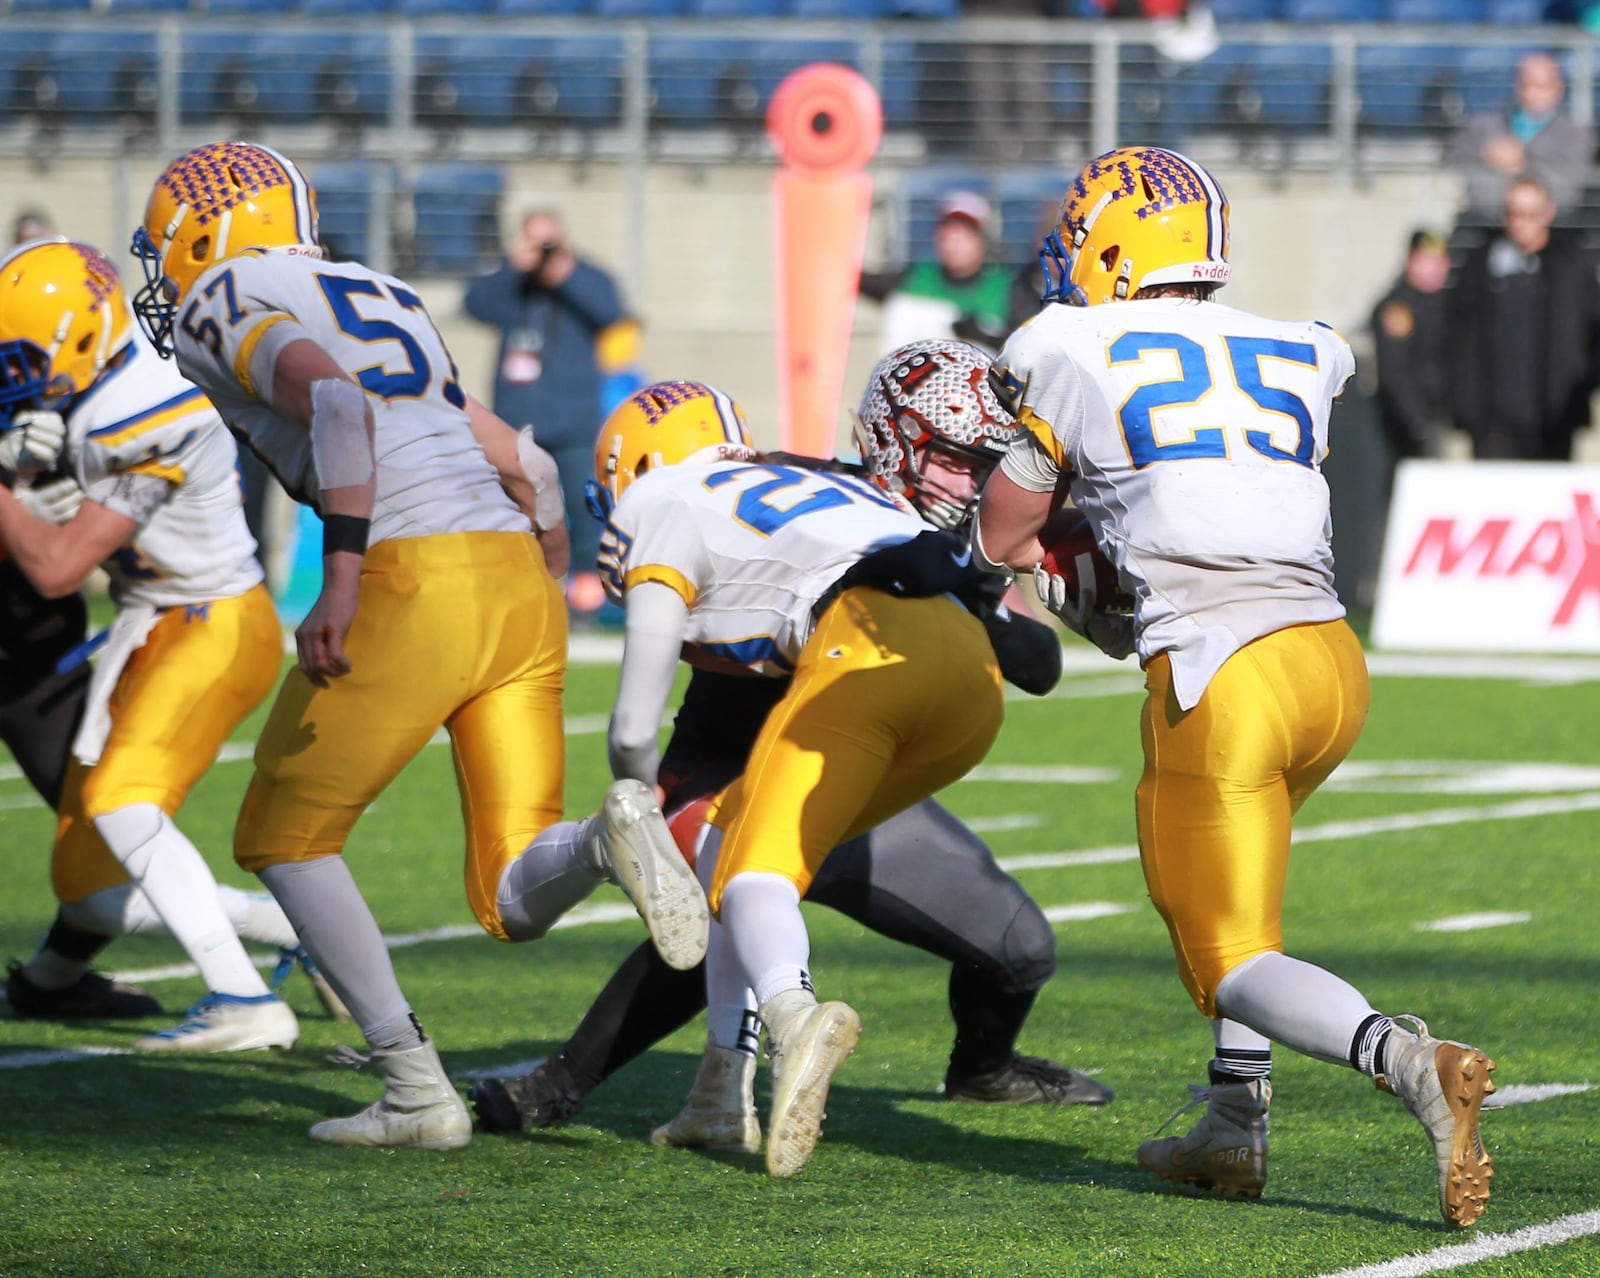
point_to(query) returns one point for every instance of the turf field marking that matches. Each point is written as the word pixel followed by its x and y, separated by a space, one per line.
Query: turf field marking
pixel 1341 829
pixel 1030 775
pixel 1532 1093
pixel 1086 910
pixel 994 825
pixel 1460 776
pixel 1475 922
pixel 59 1056
pixel 1485 1247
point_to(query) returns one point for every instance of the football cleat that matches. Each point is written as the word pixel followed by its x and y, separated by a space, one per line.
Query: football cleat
pixel 1028 1080
pixel 1443 1085
pixel 809 1041
pixel 91 997
pixel 420 1108
pixel 721 1111
pixel 1226 1150
pixel 549 1095
pixel 228 1023
pixel 645 863
pixel 292 956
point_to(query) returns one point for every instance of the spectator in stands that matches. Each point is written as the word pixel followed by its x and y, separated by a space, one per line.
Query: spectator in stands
pixel 1532 137
pixel 31 224
pixel 1524 333
pixel 1410 334
pixel 551 306
pixel 959 292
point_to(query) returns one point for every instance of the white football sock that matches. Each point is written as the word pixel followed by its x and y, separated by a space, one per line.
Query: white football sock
pixel 730 1004
pixel 126 910
pixel 1295 1003
pixel 762 915
pixel 335 924
pixel 180 886
pixel 557 870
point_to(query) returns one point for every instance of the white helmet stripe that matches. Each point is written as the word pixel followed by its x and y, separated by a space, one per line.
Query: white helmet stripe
pixel 305 224
pixel 1216 206
pixel 219 250
pixel 729 416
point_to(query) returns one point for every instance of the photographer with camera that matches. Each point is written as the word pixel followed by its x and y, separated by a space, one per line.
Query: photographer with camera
pixel 550 306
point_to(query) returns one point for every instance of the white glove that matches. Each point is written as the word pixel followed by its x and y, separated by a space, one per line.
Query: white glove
pixel 56 502
pixel 33 441
pixel 549 511
pixel 1111 632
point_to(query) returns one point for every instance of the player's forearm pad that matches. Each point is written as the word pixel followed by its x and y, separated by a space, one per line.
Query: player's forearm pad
pixel 341 449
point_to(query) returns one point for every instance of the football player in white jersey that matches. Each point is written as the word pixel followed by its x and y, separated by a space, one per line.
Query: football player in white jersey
pixel 153 496
pixel 1192 436
pixel 437 608
pixel 745 564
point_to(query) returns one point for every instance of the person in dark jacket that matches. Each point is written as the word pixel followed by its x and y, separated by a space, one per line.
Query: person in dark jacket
pixel 1525 321
pixel 1413 356
pixel 550 305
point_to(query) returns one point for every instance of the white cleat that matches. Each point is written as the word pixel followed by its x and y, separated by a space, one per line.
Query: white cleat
pixel 420 1108
pixel 645 862
pixel 1443 1085
pixel 808 1044
pixel 721 1111
pixel 228 1023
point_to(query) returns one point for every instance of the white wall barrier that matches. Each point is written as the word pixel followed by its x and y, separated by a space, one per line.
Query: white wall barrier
pixel 1491 556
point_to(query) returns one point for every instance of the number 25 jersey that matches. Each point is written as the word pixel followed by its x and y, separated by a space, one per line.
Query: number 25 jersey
pixel 432 477
pixel 1194 434
pixel 750 547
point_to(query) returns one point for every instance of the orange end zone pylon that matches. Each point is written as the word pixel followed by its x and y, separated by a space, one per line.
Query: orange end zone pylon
pixel 826 122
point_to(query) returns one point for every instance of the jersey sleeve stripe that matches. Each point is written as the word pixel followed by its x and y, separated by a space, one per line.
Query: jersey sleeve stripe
pixel 160 470
pixel 1040 430
pixel 247 348
pixel 181 405
pixel 669 577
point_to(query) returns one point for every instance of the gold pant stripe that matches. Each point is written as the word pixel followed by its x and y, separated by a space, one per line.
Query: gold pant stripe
pixel 892 700
pixel 1222 782
pixel 202 669
pixel 465 631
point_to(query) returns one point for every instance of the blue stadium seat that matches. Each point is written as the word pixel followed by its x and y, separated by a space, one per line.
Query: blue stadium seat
pixel 1488 76
pixel 701 81
pixel 1408 89
pixel 28 80
pixel 301 75
pixel 901 89
pixel 1295 85
pixel 737 8
pixel 1028 198
pixel 839 10
pixel 344 206
pixel 541 8
pixel 640 8
pixel 1247 10
pixel 345 8
pixel 121 7
pixel 104 74
pixel 50 6
pixel 486 80
pixel 248 8
pixel 443 8
pixel 457 209
pixel 930 10
pixel 1512 13
pixel 775 60
pixel 588 79
pixel 1331 11
pixel 1435 12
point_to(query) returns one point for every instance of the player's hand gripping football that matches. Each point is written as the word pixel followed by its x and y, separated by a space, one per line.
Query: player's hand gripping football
pixel 33 442
pixel 319 639
pixel 1111 632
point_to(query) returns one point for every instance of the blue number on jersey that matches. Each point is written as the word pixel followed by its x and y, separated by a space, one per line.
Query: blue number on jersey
pixel 408 383
pixel 754 509
pixel 1244 359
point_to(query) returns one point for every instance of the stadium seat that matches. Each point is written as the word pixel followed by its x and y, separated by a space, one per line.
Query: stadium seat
pixel 28 79
pixel 901 87
pixel 345 205
pixel 1408 89
pixel 640 8
pixel 485 80
pixel 1488 77
pixel 1332 11
pixel 1247 10
pixel 248 8
pixel 51 6
pixel 345 8
pixel 1433 13
pixel 732 9
pixel 774 60
pixel 540 8
pixel 839 10
pixel 1295 81
pixel 122 7
pixel 702 81
pixel 107 74
pixel 1514 13
pixel 1027 198
pixel 457 218
pixel 444 8
pixel 929 10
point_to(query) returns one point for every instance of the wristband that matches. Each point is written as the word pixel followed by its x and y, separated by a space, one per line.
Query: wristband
pixel 344 532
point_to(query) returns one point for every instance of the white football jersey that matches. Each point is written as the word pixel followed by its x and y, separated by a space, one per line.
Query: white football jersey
pixel 142 422
pixel 1194 435
pixel 750 547
pixel 432 477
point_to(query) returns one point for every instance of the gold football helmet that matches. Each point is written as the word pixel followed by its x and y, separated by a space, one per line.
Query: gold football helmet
pixel 63 318
pixel 664 425
pixel 211 204
pixel 1134 217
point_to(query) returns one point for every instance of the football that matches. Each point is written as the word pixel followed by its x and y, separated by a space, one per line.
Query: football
pixel 1070 552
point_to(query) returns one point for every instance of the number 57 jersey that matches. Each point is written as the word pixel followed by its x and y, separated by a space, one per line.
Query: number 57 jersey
pixel 1194 435
pixel 749 547
pixel 432 476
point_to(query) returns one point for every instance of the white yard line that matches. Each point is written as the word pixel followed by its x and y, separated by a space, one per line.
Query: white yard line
pixel 1484 1247
pixel 1041 775
pixel 999 824
pixel 1532 1093
pixel 1086 910
pixel 1475 922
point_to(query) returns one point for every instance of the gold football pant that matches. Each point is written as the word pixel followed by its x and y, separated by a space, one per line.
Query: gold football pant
pixel 892 700
pixel 465 631
pixel 200 671
pixel 1222 782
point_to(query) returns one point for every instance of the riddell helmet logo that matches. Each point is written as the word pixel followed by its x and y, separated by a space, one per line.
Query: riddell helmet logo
pixel 1566 550
pixel 1209 271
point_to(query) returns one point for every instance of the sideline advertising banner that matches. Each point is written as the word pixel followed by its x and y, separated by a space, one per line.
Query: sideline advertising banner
pixel 1491 557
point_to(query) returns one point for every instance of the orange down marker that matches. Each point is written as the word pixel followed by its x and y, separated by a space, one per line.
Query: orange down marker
pixel 826 122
